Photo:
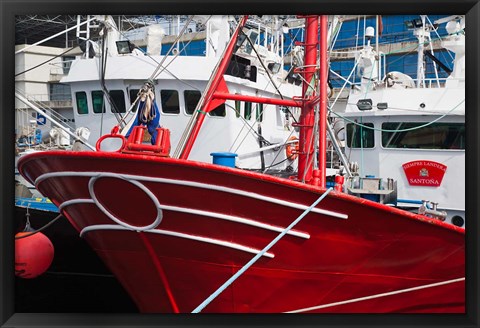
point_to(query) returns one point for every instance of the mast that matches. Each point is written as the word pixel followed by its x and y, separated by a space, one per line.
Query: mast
pixel 217 92
pixel 310 99
pixel 306 153
pixel 322 146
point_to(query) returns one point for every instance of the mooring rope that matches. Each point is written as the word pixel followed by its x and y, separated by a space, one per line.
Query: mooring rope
pixel 259 255
pixel 29 233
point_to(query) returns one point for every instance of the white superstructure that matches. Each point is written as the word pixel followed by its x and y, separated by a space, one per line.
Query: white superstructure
pixel 396 121
pixel 178 86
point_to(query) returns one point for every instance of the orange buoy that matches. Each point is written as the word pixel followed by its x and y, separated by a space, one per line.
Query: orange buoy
pixel 33 254
pixel 291 149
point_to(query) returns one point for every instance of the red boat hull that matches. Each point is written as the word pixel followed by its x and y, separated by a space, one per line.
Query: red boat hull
pixel 360 257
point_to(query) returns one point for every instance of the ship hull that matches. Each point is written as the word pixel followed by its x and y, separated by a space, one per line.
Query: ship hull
pixel 173 231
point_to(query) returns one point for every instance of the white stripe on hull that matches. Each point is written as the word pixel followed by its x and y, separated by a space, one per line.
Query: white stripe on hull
pixel 190 184
pixel 216 215
pixel 207 240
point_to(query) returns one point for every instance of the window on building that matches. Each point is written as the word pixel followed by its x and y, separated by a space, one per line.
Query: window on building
pixel 170 103
pixel 82 104
pixel 218 111
pixel 192 97
pixel 359 136
pixel 118 99
pixel 67 63
pixel 97 101
pixel 59 91
pixel 433 136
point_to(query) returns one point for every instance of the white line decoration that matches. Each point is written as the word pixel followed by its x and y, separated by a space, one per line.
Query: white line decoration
pixel 204 213
pixel 367 298
pixel 181 235
pixel 150 194
pixel 151 228
pixel 190 184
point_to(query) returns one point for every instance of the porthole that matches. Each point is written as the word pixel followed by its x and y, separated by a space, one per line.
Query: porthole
pixel 458 221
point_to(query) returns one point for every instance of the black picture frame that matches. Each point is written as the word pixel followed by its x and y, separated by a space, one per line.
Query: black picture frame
pixel 10 8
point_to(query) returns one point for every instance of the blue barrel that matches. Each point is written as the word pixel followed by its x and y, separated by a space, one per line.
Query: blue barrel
pixel 224 158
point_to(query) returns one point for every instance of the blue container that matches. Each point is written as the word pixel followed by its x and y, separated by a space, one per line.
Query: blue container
pixel 224 158
pixel 372 197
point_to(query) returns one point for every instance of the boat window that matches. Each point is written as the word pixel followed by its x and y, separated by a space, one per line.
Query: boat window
pixel 238 108
pixel 118 100
pixel 259 113
pixel 82 105
pixel 433 136
pixel 133 95
pixel 360 137
pixel 97 101
pixel 248 111
pixel 218 111
pixel 192 98
pixel 170 103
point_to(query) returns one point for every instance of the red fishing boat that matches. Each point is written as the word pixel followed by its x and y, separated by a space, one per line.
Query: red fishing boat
pixel 185 236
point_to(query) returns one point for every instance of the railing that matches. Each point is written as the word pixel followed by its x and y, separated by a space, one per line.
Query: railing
pixel 38 100
pixel 52 98
pixel 427 83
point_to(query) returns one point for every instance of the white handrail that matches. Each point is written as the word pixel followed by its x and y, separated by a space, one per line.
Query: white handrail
pixel 259 255
pixel 35 108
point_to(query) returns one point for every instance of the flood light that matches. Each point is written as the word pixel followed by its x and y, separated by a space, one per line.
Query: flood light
pixel 364 104
pixel 274 67
pixel 123 47
pixel 382 105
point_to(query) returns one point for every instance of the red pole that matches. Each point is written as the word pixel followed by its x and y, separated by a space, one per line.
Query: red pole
pixel 305 157
pixel 222 67
pixel 322 124
pixel 254 99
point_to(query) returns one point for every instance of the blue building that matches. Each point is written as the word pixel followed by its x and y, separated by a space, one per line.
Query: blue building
pixel 392 30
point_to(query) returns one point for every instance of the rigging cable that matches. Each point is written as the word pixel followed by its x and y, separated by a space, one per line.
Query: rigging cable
pixel 49 60
pixel 268 73
pixel 403 130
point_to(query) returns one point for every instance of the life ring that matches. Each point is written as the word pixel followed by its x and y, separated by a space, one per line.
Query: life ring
pixel 291 149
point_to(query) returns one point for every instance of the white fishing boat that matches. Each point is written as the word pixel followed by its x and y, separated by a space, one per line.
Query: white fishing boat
pixel 105 86
pixel 405 136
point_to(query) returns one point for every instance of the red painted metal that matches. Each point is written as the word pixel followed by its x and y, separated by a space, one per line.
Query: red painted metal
pixel 305 158
pixel 378 249
pixel 160 271
pixel 322 124
pixel 424 173
pixel 272 101
pixel 217 80
pixel 205 208
pixel 135 142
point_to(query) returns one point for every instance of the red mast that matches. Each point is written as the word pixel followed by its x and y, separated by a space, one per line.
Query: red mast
pixel 218 93
pixel 322 123
pixel 310 99
pixel 305 158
